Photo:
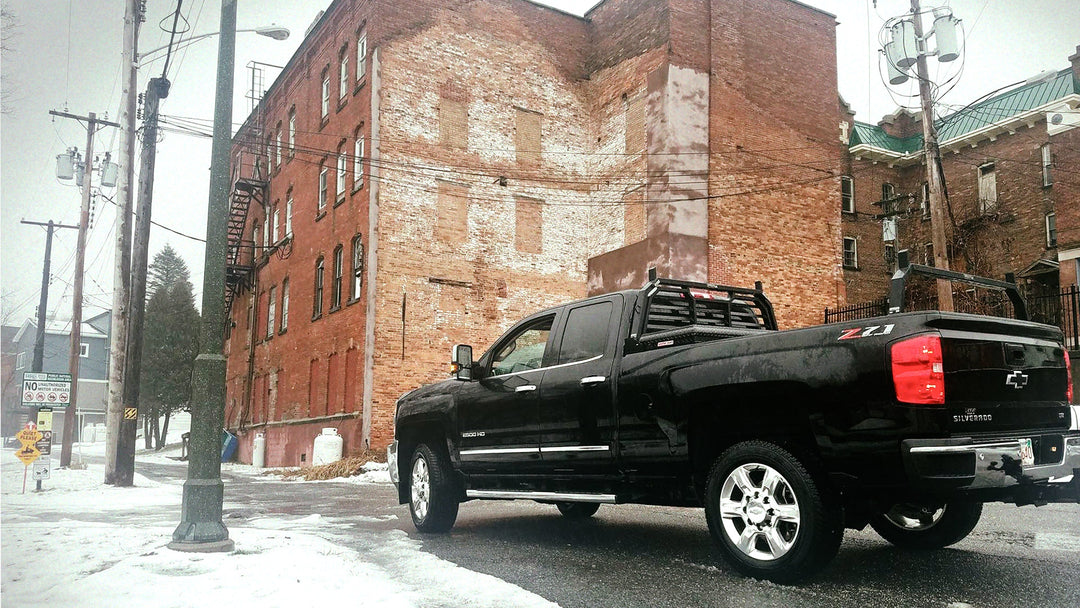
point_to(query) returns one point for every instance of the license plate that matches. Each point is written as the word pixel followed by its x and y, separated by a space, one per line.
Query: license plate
pixel 1027 455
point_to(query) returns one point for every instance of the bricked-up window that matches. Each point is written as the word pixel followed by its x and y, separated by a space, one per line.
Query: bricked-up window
pixel 292 131
pixel 316 309
pixel 358 161
pixel 453 123
pixel 343 74
pixel 342 164
pixel 335 285
pixel 357 268
pixel 928 254
pixel 452 213
pixel 987 188
pixel 322 187
pixel 361 54
pixel 527 136
pixel 847 194
pixel 851 253
pixel 634 217
pixel 284 304
pixel 635 125
pixel 271 312
pixel 924 202
pixel 1047 163
pixel 1051 229
pixel 288 213
pixel 325 93
pixel 528 225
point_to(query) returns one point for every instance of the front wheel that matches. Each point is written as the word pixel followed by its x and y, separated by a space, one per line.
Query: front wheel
pixel 927 526
pixel 770 516
pixel 433 501
pixel 578 510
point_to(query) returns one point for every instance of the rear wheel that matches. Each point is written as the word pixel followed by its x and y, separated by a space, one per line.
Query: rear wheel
pixel 578 510
pixel 433 499
pixel 770 516
pixel 927 526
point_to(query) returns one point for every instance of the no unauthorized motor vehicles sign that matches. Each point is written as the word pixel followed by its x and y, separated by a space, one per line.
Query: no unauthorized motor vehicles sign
pixel 48 389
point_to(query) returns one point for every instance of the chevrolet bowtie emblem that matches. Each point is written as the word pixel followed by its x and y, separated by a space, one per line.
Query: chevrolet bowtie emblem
pixel 1017 380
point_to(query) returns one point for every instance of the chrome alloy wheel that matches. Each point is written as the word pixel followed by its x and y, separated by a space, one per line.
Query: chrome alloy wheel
pixel 420 486
pixel 759 511
pixel 912 517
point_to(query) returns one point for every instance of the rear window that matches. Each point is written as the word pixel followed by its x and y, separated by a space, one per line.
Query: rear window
pixel 586 333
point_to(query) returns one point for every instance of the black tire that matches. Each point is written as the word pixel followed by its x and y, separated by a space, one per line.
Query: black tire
pixel 788 520
pixel 578 510
pixel 433 493
pixel 927 526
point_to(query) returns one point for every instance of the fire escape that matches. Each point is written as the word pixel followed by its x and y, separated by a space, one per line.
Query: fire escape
pixel 240 254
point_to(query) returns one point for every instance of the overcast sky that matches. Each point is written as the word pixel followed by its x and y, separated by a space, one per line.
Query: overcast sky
pixel 65 55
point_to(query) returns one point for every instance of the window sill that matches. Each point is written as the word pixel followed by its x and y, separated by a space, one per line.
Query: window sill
pixel 281 332
pixel 316 316
pixel 334 309
pixel 849 212
pixel 320 215
pixel 360 84
pixel 854 268
pixel 352 301
pixel 324 121
pixel 357 186
pixel 342 102
pixel 340 200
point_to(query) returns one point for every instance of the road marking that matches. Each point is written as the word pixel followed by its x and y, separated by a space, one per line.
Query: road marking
pixel 1051 541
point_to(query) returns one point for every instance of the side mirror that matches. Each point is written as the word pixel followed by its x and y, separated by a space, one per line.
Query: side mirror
pixel 461 362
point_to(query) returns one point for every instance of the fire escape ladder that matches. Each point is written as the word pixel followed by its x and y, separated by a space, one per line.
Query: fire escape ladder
pixel 239 262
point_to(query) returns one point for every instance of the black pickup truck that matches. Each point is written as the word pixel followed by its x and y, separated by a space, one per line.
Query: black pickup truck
pixel 685 394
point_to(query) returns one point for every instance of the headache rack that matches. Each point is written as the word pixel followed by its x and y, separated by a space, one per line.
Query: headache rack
pixel 674 312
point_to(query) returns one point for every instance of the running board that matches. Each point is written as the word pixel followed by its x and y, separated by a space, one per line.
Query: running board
pixel 550 496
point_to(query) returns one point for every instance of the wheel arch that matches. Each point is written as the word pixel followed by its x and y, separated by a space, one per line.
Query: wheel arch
pixel 435 431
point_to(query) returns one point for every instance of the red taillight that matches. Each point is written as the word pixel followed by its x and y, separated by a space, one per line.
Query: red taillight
pixel 917 370
pixel 1068 375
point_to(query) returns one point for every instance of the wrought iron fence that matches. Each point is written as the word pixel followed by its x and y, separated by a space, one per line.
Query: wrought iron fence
pixel 1061 309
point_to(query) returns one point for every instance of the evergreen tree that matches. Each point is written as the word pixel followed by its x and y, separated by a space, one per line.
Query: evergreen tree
pixel 170 344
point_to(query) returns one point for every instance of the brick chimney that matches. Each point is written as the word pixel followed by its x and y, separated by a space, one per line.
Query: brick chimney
pixel 902 123
pixel 1075 60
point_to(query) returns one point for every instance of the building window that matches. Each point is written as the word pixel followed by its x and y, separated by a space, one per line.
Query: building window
pixel 335 286
pixel 322 188
pixel 987 188
pixel 528 225
pixel 888 199
pixel 924 203
pixel 256 245
pixel 343 75
pixel 84 350
pixel 292 131
pixel 527 140
pixel 890 255
pixel 357 268
pixel 288 214
pixel 325 107
pixel 284 304
pixel 847 194
pixel 361 54
pixel 277 146
pixel 342 163
pixel 320 266
pixel 851 253
pixel 275 223
pixel 20 361
pixel 358 161
pixel 266 227
pixel 928 254
pixel 1047 162
pixel 271 312
pixel 1051 229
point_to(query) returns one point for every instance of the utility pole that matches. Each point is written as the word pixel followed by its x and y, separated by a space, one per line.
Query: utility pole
pixel 156 89
pixel 201 528
pixel 118 410
pixel 43 302
pixel 92 123
pixel 933 174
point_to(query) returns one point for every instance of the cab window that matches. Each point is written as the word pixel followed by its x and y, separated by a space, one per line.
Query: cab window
pixel 524 350
pixel 586 333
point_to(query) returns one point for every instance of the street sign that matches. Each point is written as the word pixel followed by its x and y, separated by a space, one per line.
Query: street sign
pixel 28 453
pixel 42 468
pixel 28 436
pixel 44 426
pixel 40 388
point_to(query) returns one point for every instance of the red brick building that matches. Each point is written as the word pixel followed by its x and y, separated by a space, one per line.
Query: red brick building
pixel 425 173
pixel 1011 165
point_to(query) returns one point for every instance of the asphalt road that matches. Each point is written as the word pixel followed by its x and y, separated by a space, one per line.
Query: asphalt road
pixel 629 555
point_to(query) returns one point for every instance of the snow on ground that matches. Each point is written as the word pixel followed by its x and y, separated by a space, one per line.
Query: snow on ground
pixel 83 543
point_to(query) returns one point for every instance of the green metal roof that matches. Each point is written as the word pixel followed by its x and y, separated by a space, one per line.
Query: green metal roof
pixel 972 118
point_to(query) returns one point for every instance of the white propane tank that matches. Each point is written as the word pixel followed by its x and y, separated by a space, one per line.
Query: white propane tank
pixel 258 451
pixel 88 434
pixel 328 447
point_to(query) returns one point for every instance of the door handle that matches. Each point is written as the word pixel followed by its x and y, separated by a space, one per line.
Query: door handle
pixel 526 388
pixel 593 380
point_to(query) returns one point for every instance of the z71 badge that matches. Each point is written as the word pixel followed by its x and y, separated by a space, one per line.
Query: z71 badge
pixel 866 332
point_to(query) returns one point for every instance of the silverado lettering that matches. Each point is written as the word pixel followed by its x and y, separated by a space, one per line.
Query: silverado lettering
pixel 686 394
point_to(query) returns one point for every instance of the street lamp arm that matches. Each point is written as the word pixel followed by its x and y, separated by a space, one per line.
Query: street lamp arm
pixel 270 31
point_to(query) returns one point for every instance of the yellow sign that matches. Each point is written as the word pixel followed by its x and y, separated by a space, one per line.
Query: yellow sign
pixel 28 436
pixel 44 420
pixel 28 454
pixel 131 413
